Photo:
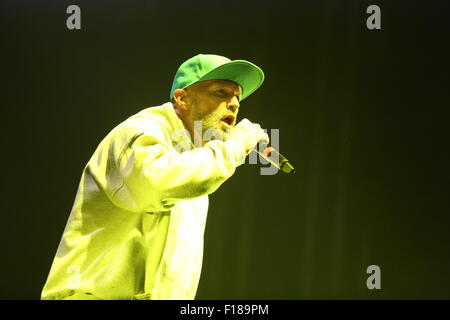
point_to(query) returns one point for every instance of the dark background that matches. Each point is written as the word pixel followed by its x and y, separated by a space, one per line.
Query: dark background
pixel 363 115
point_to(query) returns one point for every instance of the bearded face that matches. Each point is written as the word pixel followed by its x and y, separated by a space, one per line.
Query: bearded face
pixel 214 107
pixel 212 125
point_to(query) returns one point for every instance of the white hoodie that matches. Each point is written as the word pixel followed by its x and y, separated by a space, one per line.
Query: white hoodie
pixel 136 227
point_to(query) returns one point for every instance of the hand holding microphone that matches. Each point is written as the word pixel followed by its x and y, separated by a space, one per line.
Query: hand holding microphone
pixel 250 134
pixel 275 158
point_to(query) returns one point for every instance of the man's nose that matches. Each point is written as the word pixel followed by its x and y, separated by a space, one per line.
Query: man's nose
pixel 233 105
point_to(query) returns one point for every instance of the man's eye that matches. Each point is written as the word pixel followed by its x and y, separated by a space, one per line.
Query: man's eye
pixel 226 94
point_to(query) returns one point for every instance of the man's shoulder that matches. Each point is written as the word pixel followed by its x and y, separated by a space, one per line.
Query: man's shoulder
pixel 152 122
pixel 152 113
pixel 156 121
pixel 150 118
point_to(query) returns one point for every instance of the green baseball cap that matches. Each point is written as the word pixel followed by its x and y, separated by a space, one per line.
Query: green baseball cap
pixel 204 67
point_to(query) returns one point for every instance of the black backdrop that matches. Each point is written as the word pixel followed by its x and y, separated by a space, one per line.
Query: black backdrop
pixel 363 115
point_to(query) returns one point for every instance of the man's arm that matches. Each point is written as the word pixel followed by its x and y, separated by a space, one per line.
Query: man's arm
pixel 155 176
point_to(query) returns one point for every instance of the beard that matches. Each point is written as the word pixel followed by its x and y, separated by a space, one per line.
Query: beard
pixel 211 125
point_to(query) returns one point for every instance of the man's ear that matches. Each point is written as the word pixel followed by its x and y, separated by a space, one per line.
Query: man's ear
pixel 181 98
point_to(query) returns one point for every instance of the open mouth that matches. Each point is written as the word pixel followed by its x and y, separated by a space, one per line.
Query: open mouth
pixel 228 120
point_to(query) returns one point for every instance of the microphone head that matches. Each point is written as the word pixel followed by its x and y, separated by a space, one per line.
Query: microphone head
pixel 283 163
pixel 286 167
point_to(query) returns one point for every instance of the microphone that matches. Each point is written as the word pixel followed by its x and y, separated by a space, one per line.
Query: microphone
pixel 271 155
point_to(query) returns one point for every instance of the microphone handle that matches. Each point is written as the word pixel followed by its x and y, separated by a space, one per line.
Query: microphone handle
pixel 283 163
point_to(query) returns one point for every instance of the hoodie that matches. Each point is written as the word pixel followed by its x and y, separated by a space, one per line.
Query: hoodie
pixel 136 227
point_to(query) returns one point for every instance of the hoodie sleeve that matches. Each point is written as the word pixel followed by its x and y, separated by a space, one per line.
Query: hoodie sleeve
pixel 155 176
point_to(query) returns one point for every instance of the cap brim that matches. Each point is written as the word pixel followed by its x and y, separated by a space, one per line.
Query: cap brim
pixel 248 75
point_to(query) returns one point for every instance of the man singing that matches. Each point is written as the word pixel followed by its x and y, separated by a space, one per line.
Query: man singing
pixel 136 227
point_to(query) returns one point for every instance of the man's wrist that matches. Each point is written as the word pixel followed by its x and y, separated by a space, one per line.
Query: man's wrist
pixel 237 148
